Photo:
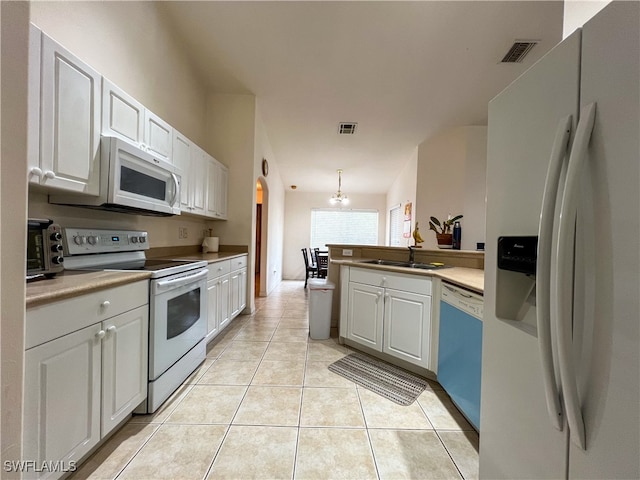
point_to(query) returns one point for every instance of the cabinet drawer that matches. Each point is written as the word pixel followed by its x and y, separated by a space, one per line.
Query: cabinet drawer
pixel 218 269
pixel 54 320
pixel 407 283
pixel 238 263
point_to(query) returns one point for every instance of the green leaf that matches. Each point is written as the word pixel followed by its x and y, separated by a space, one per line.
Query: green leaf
pixel 436 221
pixel 433 227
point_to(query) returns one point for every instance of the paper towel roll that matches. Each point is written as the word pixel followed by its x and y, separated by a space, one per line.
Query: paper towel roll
pixel 210 244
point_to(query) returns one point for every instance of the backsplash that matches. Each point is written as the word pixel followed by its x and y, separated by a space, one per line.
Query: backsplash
pixel 179 230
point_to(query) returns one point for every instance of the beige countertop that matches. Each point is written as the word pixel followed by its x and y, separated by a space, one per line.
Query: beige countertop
pixel 470 278
pixel 75 283
pixel 209 257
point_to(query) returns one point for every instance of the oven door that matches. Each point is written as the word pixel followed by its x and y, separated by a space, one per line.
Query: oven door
pixel 178 319
pixel 139 180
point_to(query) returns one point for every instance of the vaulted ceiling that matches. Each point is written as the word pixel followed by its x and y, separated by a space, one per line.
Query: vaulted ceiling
pixel 403 71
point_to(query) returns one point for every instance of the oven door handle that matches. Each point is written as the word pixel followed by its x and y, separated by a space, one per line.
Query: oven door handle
pixel 178 282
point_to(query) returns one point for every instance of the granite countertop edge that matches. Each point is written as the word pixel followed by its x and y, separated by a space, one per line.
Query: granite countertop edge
pixel 469 278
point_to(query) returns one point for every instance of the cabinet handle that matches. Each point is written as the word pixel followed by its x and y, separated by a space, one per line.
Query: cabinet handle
pixel 35 171
pixel 100 334
pixel 105 304
pixel 49 174
pixel 111 329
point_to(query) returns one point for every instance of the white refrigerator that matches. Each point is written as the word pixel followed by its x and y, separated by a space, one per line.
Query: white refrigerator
pixel 561 366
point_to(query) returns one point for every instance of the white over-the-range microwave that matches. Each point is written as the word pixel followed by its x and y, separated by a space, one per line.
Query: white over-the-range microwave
pixel 131 181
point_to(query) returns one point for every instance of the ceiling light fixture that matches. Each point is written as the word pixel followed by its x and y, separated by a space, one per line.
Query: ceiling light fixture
pixel 339 197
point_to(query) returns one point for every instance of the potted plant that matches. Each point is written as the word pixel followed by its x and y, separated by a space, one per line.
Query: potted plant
pixel 443 230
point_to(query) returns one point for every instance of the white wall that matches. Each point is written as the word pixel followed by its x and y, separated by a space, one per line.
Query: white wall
pixel 297 224
pixel 451 180
pixel 403 191
pixel 14 20
pixel 577 12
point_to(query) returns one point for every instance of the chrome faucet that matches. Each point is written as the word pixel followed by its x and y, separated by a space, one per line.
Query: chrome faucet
pixel 412 254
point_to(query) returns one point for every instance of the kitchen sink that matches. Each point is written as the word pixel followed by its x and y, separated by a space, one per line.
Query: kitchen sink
pixel 392 263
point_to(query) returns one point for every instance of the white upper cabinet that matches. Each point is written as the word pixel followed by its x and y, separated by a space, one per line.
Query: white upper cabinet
pixel 122 115
pixel 217 189
pixel 69 132
pixel 198 180
pixel 158 136
pixel 182 160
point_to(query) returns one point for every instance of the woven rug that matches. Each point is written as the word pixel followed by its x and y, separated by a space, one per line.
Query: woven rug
pixel 387 380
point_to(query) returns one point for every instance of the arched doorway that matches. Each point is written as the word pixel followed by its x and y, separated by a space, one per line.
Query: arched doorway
pixel 262 202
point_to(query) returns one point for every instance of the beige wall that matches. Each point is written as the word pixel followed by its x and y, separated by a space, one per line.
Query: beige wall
pixel 297 224
pixel 14 20
pixel 403 191
pixel 451 180
pixel 273 211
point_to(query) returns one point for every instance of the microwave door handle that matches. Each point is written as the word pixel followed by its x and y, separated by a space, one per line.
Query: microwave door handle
pixel 175 188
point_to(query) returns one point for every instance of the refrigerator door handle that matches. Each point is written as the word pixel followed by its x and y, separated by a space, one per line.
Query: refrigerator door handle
pixel 544 315
pixel 564 274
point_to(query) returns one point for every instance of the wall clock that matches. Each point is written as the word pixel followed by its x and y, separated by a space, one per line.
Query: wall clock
pixel 265 167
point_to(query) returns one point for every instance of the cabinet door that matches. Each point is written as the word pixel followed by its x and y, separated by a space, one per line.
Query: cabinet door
pixel 158 136
pixel 70 121
pixel 238 291
pixel 212 187
pixel 62 398
pixel 365 314
pixel 407 326
pixel 213 311
pixel 224 298
pixel 182 160
pixel 33 106
pixel 199 177
pixel 124 365
pixel 221 190
pixel 122 115
pixel 243 290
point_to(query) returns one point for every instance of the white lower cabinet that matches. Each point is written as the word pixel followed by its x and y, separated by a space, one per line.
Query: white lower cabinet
pixel 388 312
pixel 80 383
pixel 227 293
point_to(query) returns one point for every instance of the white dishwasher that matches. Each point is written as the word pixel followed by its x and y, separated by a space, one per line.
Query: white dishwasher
pixel 460 349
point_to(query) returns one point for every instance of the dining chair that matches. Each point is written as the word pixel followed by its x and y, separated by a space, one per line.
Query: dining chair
pixel 322 262
pixel 311 269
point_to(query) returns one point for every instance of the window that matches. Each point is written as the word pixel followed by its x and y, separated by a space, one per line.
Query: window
pixel 347 227
pixel 395 226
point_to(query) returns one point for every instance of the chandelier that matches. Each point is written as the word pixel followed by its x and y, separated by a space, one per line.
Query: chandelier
pixel 339 197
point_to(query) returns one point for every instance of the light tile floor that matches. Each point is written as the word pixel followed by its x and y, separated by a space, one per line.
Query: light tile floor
pixel 264 405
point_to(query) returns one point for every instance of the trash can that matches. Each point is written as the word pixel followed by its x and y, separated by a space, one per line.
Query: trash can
pixel 320 296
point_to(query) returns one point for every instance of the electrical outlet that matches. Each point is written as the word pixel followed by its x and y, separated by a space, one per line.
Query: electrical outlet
pixel 183 232
pixel 347 252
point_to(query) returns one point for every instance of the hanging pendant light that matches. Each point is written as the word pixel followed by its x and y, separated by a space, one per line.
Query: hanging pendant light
pixel 339 197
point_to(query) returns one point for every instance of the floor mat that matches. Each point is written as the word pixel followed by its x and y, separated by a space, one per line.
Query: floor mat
pixel 380 377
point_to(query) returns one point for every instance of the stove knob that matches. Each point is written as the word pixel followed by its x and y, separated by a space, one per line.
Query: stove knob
pixel 79 240
pixel 93 239
pixel 142 239
pixel 134 239
pixel 56 236
pixel 56 248
pixel 57 260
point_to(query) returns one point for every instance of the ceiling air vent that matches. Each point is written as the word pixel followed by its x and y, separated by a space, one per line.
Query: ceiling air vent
pixel 518 51
pixel 347 128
